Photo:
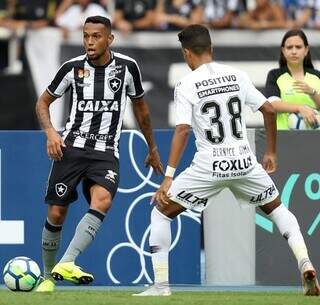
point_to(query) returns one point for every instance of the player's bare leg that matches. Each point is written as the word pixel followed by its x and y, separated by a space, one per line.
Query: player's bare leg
pixel 160 241
pixel 290 230
pixel 84 235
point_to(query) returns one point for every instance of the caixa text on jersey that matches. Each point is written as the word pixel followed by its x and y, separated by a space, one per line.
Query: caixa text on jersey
pixel 98 105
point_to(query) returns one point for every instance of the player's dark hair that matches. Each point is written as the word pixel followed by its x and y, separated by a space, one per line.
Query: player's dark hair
pixel 99 19
pixel 196 38
pixel 307 62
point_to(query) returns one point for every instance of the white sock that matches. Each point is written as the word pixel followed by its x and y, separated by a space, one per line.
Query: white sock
pixel 160 241
pixel 289 228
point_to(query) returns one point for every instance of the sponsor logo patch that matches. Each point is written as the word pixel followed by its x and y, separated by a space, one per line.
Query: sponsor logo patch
pixel 264 195
pixel 231 165
pixel 83 73
pixel 192 199
pixel 111 176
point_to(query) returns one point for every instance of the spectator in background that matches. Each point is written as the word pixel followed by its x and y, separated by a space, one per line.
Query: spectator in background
pixel 298 12
pixel 294 87
pixel 71 15
pixel 3 9
pixel 107 4
pixel 177 14
pixel 219 14
pixel 266 15
pixel 130 15
pixel 28 14
pixel 316 24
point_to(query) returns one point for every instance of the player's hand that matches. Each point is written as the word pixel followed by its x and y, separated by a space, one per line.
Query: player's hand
pixel 162 196
pixel 269 162
pixel 54 144
pixel 309 115
pixel 153 160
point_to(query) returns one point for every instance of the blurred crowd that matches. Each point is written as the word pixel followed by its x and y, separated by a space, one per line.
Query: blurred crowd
pixel 161 15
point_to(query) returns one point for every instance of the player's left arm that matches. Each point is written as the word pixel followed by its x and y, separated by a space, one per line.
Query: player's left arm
pixel 178 145
pixel 269 161
pixel 142 115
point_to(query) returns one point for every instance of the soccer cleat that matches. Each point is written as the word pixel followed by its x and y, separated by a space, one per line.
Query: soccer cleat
pixel 309 279
pixel 47 285
pixel 72 273
pixel 157 290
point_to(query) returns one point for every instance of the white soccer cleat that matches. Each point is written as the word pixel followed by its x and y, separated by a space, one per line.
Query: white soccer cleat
pixel 155 291
pixel 309 279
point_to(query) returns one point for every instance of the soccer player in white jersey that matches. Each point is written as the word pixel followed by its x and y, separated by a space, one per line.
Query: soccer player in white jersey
pixel 88 149
pixel 210 100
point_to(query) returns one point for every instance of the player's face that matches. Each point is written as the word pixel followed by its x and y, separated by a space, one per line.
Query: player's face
pixel 96 39
pixel 294 50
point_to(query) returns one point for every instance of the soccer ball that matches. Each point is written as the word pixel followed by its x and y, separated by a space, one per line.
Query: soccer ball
pixel 296 122
pixel 21 274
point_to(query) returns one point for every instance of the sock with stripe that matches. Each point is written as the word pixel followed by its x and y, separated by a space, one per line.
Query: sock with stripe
pixel 51 236
pixel 85 233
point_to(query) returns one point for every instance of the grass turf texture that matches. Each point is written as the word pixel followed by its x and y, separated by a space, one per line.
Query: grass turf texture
pixel 107 297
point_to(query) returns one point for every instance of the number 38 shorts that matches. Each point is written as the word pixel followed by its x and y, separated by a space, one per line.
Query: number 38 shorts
pixel 195 188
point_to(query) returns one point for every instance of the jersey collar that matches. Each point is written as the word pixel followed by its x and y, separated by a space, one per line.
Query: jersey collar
pixel 104 66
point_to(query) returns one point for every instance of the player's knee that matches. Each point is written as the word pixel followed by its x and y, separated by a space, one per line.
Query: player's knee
pixel 170 210
pixel 271 206
pixel 101 201
pixel 57 215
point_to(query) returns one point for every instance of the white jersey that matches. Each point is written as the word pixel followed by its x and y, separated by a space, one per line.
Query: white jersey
pixel 211 99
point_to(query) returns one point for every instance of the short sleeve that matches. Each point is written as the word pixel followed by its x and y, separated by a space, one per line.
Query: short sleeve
pixel 272 90
pixel 254 98
pixel 61 81
pixel 134 86
pixel 183 107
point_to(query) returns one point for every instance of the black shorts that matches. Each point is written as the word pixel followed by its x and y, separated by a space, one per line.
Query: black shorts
pixel 89 166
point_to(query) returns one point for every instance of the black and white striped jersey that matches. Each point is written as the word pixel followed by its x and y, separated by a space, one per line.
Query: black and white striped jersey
pixel 99 95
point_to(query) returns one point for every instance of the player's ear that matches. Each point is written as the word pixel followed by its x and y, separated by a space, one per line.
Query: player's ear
pixel 185 53
pixel 110 39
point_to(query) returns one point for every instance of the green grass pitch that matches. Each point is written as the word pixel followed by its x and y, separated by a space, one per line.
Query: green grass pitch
pixel 123 297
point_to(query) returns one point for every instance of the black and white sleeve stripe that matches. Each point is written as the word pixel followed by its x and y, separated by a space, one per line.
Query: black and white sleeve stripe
pixel 135 89
pixel 61 82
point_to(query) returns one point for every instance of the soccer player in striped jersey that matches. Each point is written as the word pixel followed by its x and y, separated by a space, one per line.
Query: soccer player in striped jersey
pixel 88 149
pixel 211 99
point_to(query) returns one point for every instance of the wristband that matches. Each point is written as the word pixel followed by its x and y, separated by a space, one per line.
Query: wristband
pixel 170 171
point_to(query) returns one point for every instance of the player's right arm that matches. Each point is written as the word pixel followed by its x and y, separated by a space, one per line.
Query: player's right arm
pixel 56 89
pixel 257 101
pixel 54 140
pixel 269 161
pixel 178 145
pixel 183 115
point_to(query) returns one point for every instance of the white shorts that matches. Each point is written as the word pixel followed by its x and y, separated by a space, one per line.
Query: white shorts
pixel 194 190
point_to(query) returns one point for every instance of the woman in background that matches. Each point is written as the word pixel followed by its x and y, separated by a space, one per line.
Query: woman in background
pixel 294 87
